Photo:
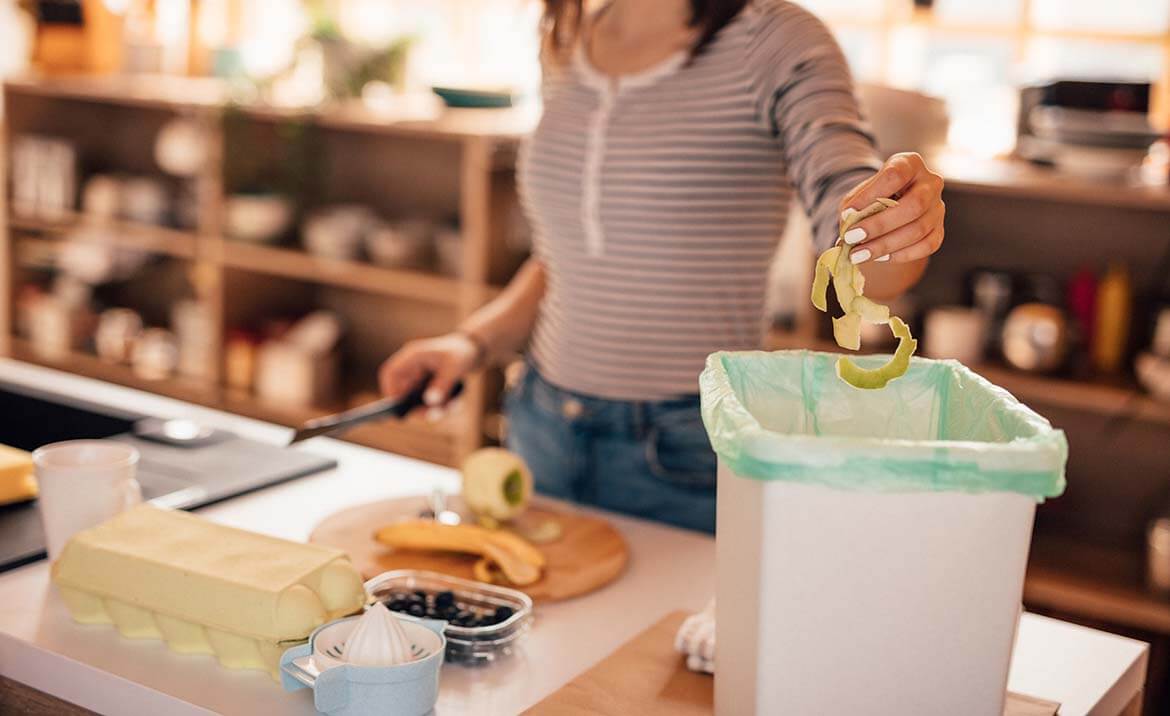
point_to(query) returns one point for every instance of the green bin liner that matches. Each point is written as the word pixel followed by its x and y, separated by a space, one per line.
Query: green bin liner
pixel 786 415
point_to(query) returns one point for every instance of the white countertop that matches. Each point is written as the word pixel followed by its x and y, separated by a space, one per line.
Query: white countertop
pixel 1087 671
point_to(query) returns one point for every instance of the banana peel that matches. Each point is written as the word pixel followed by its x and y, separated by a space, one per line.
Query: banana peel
pixel 519 561
pixel 849 285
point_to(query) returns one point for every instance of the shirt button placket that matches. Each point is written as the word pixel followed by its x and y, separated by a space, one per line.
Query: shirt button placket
pixel 594 157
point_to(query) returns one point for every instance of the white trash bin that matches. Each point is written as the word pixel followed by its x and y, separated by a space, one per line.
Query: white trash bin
pixel 871 544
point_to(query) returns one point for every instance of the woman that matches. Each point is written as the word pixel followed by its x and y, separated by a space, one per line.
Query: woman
pixel 657 182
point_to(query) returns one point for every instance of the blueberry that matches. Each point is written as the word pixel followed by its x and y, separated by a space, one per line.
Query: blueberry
pixel 397 605
pixel 445 599
pixel 502 614
pixel 449 613
pixel 416 610
pixel 420 594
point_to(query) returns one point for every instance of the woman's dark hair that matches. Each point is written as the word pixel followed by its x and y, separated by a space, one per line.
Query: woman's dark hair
pixel 562 21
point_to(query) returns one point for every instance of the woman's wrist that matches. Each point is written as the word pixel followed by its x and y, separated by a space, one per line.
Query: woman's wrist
pixel 482 349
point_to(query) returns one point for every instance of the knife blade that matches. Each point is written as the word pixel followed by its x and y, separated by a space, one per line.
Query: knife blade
pixel 376 410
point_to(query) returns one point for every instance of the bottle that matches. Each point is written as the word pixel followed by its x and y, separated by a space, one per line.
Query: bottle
pixel 1113 316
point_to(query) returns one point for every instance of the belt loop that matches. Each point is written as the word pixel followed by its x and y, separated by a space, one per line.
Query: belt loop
pixel 639 419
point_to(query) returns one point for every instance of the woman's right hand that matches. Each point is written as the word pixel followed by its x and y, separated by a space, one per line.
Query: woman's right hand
pixel 446 359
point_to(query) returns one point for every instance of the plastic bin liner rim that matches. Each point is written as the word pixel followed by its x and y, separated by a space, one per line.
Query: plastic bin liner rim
pixel 1030 462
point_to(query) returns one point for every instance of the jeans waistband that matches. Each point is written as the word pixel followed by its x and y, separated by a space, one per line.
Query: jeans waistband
pixel 588 410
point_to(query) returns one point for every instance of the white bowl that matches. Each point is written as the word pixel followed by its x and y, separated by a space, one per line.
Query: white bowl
pixel 405 244
pixel 257 218
pixel 338 232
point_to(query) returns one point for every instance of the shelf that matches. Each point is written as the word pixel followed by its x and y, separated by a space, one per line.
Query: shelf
pixel 357 275
pixel 1093 582
pixel 170 93
pixel 124 234
pixel 1020 179
pixel 1096 396
pixel 180 388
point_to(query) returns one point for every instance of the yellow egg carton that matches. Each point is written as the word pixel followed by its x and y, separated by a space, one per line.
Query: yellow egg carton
pixel 204 588
pixel 17 482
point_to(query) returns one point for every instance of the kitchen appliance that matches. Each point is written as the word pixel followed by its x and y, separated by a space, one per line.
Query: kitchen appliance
pixel 1035 338
pixel 1088 128
pixel 170 475
pixel 342 689
pixel 993 293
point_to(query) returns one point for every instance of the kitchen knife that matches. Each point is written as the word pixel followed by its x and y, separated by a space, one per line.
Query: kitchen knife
pixel 377 410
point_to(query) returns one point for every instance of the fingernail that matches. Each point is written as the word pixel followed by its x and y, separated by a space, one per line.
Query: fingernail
pixel 849 211
pixel 434 415
pixel 433 396
pixel 859 256
pixel 883 258
pixel 854 236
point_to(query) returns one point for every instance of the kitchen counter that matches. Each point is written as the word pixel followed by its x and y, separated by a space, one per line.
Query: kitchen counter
pixel 1087 671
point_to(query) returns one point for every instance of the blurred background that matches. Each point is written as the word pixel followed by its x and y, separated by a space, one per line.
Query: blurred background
pixel 250 204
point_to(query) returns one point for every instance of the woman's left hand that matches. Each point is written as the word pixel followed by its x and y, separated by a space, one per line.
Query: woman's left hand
pixel 910 231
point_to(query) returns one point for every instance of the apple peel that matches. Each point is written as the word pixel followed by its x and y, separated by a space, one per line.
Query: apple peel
pixel 849 285
pixel 847 331
pixel 896 367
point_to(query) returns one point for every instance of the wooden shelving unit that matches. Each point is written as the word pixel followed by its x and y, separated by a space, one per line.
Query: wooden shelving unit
pixel 124 234
pixel 358 275
pixel 458 163
pixel 180 388
pixel 1094 582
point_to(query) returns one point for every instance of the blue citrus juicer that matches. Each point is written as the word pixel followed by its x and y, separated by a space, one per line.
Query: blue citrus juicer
pixel 342 689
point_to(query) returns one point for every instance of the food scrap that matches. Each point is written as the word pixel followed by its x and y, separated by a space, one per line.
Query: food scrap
pixel 514 557
pixel 849 285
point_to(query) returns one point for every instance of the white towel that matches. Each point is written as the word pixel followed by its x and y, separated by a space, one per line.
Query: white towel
pixel 696 639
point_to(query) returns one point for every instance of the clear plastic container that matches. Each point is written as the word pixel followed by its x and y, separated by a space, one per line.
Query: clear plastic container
pixel 465 645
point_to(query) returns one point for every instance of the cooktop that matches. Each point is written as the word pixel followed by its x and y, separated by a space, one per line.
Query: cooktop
pixel 173 474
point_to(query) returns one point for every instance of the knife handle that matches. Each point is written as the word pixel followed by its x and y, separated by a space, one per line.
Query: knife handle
pixel 400 407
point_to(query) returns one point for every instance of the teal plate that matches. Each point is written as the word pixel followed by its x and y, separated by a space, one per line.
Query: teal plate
pixel 475 98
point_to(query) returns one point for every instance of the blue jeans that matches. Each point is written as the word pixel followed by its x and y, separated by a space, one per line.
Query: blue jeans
pixel 648 459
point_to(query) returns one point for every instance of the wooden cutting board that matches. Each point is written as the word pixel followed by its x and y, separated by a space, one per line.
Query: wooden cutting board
pixel 646 676
pixel 588 555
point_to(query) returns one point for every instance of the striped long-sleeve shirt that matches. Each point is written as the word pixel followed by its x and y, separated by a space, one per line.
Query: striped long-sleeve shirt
pixel 657 199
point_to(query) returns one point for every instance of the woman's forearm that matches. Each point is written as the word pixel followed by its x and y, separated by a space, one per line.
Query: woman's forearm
pixel 504 324
pixel 887 281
